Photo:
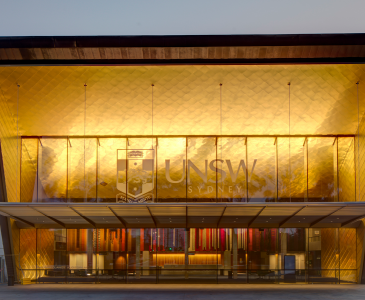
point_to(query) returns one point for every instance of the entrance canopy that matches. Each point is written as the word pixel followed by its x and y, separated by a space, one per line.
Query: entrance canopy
pixel 187 215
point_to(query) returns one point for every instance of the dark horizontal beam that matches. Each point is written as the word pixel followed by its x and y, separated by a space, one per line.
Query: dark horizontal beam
pixel 158 62
pixel 184 136
pixel 182 40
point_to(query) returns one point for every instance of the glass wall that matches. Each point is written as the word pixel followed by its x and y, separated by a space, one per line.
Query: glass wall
pixel 188 169
pixel 196 255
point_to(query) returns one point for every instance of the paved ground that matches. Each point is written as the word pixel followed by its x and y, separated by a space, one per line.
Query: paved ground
pixel 177 292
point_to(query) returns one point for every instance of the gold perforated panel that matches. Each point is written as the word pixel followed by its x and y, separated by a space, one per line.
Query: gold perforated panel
pixel 330 252
pixel 186 99
pixel 28 253
pixel 346 169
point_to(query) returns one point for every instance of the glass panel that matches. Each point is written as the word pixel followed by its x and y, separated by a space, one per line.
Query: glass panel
pixel 261 169
pixel 321 170
pixel 141 245
pixel 292 255
pixel 51 255
pixel 52 168
pixel 171 170
pixel 347 242
pixel 292 170
pixel 203 256
pixel 231 167
pixel 107 165
pixel 111 255
pixel 82 170
pixel 323 256
pixel 140 172
pixel 232 250
pixel 28 254
pixel 346 169
pixel 81 253
pixel 202 178
pixel 29 166
pixel 262 255
pixel 172 255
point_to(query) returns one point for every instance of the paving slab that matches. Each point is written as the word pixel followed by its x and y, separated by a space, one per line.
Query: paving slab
pixel 182 291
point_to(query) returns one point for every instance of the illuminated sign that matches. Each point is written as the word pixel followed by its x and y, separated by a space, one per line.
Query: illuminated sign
pixel 135 174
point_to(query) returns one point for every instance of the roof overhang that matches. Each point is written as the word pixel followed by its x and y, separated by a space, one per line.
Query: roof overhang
pixel 190 215
pixel 192 49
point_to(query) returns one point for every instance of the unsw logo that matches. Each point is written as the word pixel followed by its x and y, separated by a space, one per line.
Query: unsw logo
pixel 136 179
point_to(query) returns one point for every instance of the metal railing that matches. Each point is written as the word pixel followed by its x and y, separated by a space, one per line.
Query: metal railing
pixel 190 275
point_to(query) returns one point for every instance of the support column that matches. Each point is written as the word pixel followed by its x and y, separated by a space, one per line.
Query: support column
pixel 5 227
pixel 283 248
pixel 89 249
pixel 186 250
pixel 138 254
pixel 235 254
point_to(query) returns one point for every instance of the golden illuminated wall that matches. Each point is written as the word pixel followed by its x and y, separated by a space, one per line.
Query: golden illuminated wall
pixel 348 260
pixel 360 236
pixel 330 252
pixel 15 232
pixel 186 99
pixel 8 136
pixel 346 169
pixel 28 253
pixel 338 251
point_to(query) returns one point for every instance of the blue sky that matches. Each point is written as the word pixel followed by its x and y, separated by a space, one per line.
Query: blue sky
pixel 167 17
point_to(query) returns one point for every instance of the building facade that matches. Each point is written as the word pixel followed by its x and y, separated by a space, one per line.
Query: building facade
pixel 175 159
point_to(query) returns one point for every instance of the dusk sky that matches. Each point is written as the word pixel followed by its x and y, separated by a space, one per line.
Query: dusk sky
pixel 168 17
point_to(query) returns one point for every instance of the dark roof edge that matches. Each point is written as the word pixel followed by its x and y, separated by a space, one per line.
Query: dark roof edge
pixel 156 62
pixel 182 40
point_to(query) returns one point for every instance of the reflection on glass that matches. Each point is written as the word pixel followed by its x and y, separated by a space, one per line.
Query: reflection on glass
pixel 201 169
pixel 261 169
pixel 28 188
pixel 346 169
pixel 201 177
pixel 232 249
pixel 291 164
pixel 223 255
pixel 52 170
pixel 321 169
pixel 82 170
pixel 171 170
pixel 107 168
pixel 51 254
pixel 141 245
pixel 28 253
pixel 231 165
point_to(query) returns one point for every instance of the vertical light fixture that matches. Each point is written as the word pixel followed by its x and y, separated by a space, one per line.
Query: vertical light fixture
pixel 17 145
pixel 289 84
pixel 221 132
pixel 358 138
pixel 85 192
pixel 152 85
